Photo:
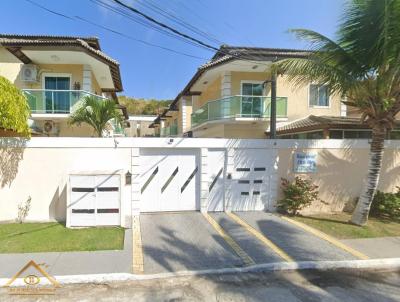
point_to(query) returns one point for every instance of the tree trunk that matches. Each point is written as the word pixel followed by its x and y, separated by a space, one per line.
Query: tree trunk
pixel 361 212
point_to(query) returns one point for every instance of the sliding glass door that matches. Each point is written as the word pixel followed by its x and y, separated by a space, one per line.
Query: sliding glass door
pixel 57 101
pixel 252 100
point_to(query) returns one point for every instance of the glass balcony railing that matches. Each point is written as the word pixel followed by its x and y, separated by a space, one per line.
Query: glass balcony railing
pixel 171 130
pixel 55 101
pixel 117 128
pixel 239 106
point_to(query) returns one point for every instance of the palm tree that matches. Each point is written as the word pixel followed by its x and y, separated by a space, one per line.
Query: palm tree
pixel 363 66
pixel 96 113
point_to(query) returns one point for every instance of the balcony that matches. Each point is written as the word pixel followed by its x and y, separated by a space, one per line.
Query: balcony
pixel 239 106
pixel 169 131
pixel 44 101
pixel 117 129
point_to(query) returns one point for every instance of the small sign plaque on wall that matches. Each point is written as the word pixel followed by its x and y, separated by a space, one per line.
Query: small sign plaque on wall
pixel 305 162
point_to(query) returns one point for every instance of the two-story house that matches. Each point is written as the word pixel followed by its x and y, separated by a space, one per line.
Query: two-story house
pixel 230 97
pixel 55 72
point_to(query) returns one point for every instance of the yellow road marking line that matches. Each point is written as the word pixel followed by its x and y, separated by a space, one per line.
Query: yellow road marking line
pixel 232 243
pixel 261 237
pixel 328 238
pixel 137 248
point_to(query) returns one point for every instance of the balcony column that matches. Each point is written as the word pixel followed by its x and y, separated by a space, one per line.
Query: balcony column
pixel 273 107
pixel 87 78
pixel 226 91
pixel 184 113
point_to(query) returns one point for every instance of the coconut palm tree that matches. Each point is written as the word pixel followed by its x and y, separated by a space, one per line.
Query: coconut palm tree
pixel 363 66
pixel 96 113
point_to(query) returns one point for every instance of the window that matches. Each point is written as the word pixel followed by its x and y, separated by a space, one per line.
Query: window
pixel 252 105
pixel 319 95
pixel 394 135
pixel 336 134
pixel 57 101
pixel 357 134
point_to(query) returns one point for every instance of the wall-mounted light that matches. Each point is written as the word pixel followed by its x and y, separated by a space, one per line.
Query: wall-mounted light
pixel 254 67
pixel 205 82
pixel 128 178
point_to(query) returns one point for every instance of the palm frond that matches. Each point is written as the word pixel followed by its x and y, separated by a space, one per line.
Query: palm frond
pixel 96 113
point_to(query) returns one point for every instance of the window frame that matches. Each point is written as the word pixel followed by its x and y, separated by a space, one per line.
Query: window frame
pixel 309 97
pixel 56 75
pixel 251 82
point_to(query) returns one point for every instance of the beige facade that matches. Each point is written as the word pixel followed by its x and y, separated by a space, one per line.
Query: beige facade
pixel 340 174
pixel 139 127
pixel 225 82
pixel 12 72
pixel 298 106
pixel 80 59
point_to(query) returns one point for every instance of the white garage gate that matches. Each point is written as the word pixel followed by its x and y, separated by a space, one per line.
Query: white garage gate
pixel 169 180
pixel 94 200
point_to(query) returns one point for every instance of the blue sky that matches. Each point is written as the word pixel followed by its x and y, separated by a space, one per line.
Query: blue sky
pixel 154 73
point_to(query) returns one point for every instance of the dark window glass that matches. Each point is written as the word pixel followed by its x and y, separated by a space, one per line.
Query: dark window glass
pixel 258 181
pixel 256 192
pixel 259 169
pixel 244 193
pixel 350 134
pixel 336 134
pixel 364 134
pixel 315 135
pixel 319 95
pixel 394 135
pixel 244 181
pixel 243 169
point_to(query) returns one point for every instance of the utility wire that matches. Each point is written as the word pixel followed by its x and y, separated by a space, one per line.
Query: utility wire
pixel 167 14
pixel 136 11
pixel 49 10
pixel 78 18
pixel 137 40
pixel 144 23
pixel 163 25
pixel 142 41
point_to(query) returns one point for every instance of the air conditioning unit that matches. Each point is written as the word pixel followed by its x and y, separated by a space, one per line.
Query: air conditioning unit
pixel 29 73
pixel 50 127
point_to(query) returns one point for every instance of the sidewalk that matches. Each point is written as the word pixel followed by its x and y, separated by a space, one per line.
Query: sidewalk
pixel 72 263
pixel 383 247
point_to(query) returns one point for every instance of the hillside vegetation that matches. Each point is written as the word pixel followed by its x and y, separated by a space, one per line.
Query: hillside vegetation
pixel 138 106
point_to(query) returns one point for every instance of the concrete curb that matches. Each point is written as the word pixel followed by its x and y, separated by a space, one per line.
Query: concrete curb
pixel 374 264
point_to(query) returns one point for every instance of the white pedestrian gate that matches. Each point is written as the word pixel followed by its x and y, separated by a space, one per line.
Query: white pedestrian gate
pixel 94 200
pixel 169 180
pixel 251 180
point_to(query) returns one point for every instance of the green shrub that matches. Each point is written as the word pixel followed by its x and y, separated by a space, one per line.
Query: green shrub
pixel 14 108
pixel 297 195
pixel 386 204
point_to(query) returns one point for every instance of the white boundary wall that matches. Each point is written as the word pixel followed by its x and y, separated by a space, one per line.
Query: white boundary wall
pixel 40 168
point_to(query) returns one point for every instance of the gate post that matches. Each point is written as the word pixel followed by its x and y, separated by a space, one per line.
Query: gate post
pixel 204 180
pixel 228 179
pixel 135 187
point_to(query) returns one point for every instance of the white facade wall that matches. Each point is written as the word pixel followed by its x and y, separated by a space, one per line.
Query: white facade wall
pixel 40 168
